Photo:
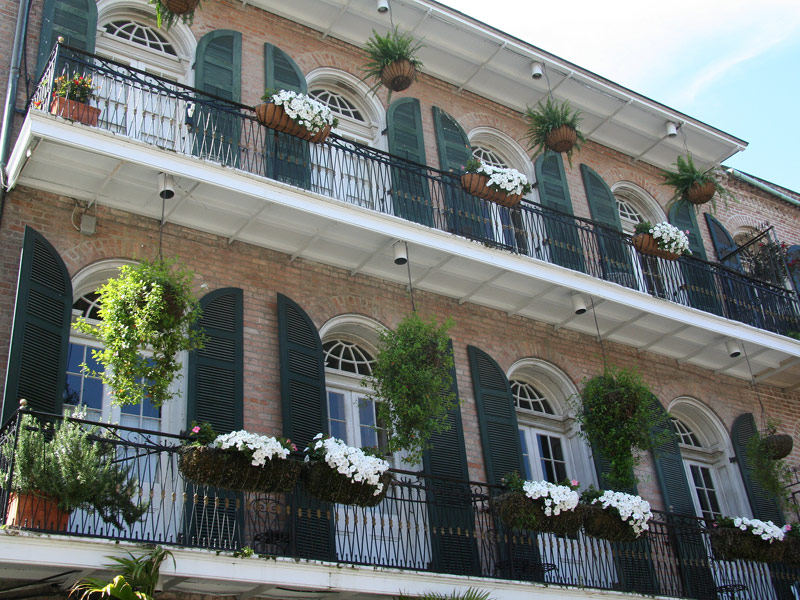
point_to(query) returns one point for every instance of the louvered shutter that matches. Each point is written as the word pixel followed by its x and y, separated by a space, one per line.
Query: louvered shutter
pixel 762 503
pixel 217 124
pixel 615 256
pixel 466 214
pixel 699 280
pixel 450 510
pixel 214 517
pixel 74 20
pixel 411 196
pixel 305 414
pixel 724 243
pixel 37 361
pixel 686 532
pixel 288 158
pixel 563 238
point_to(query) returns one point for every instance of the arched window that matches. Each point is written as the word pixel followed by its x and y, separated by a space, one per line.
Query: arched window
pixel 635 205
pixel 497 149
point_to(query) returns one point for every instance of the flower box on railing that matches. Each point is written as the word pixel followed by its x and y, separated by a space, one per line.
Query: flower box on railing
pixel 74 110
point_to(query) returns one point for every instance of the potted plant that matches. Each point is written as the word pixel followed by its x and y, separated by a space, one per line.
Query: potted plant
pixel 137 581
pixel 71 97
pixel 412 383
pixel 63 467
pixel 693 185
pixel 392 60
pixel 746 539
pixel 539 505
pixel 296 114
pixel 149 306
pixel 554 126
pixel 169 11
pixel 240 461
pixel 767 467
pixel 614 516
pixel 343 474
pixel 791 536
pixel 617 414
pixel 497 184
pixel 663 240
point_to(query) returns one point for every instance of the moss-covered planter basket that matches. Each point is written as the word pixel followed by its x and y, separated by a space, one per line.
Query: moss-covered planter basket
pixel 791 555
pixel 700 193
pixel 561 139
pixel 181 7
pixel 477 184
pixel 232 470
pixel 399 75
pixel 516 510
pixel 647 244
pixel 606 524
pixel 730 543
pixel 273 116
pixel 778 445
pixel 327 484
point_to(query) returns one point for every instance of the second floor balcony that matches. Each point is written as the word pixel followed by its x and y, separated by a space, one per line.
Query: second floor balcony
pixel 346 204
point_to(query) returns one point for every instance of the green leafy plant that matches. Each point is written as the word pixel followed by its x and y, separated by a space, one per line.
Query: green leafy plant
pixel 412 383
pixel 201 434
pixel 548 116
pixel 137 580
pixel 77 87
pixel 73 464
pixel 167 18
pixel 774 475
pixel 149 306
pixel 383 50
pixel 470 594
pixel 687 174
pixel 617 413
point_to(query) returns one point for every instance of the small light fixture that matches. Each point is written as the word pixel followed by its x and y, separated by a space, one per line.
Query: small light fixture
pixel 733 348
pixel 537 70
pixel 400 253
pixel 383 6
pixel 578 303
pixel 88 224
pixel 166 186
pixel 671 128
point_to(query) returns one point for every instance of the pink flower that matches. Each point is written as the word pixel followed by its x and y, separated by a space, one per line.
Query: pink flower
pixel 196 429
pixel 574 483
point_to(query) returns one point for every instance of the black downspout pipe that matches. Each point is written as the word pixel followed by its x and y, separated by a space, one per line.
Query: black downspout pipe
pixel 11 95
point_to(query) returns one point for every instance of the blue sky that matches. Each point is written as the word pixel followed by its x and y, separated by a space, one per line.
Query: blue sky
pixel 733 64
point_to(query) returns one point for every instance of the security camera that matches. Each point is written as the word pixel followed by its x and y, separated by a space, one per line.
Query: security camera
pixel 166 186
pixel 383 6
pixel 536 70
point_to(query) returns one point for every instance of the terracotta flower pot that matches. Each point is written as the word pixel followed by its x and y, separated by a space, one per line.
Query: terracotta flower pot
pixel 36 511
pixel 700 193
pixel 477 184
pixel 399 75
pixel 181 7
pixel 77 111
pixel 647 244
pixel 561 139
pixel 273 116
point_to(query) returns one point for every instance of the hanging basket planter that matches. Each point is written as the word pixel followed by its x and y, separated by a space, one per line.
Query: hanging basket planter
pixel 647 244
pixel 700 193
pixel 36 511
pixel 561 139
pixel 778 445
pixel 606 524
pixel 181 7
pixel 731 543
pixel 517 510
pixel 399 75
pixel 477 184
pixel 326 483
pixel 275 117
pixel 231 469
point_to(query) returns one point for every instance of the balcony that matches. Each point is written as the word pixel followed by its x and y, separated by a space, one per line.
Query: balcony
pixel 426 525
pixel 344 204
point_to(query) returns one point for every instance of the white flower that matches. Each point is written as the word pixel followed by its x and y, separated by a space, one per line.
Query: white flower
pixel 352 462
pixel 557 498
pixel 632 509
pixel 304 110
pixel 510 181
pixel 670 238
pixel 767 531
pixel 263 447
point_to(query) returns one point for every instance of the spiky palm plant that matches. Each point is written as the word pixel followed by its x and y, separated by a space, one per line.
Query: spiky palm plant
pixel 470 594
pixel 137 580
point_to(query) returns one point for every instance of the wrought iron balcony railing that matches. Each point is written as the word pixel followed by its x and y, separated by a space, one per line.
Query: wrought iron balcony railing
pixel 425 523
pixel 175 117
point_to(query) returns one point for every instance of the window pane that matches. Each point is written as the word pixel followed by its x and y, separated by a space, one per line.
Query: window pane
pixel 337 419
pixel 552 454
pixel 366 418
pixel 92 393
pixel 75 358
pixel 526 458
pixel 72 393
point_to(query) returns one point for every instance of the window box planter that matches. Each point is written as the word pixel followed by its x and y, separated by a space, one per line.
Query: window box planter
pixel 275 117
pixel 614 516
pixel 732 543
pixel 561 139
pixel 605 524
pixel 477 184
pixel 36 511
pixel 74 110
pixel 647 244
pixel 517 510
pixel 326 483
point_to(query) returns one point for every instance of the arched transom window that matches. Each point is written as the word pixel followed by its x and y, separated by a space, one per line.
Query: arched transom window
pixel 140 34
pixel 341 106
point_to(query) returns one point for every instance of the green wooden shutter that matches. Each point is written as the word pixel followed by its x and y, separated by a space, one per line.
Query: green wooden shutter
pixel 74 20
pixel 686 532
pixel 700 283
pixel 305 414
pixel 564 240
pixel 37 359
pixel 723 243
pixel 763 504
pixel 466 214
pixel 288 158
pixel 217 125
pixel 411 195
pixel 615 256
pixel 450 509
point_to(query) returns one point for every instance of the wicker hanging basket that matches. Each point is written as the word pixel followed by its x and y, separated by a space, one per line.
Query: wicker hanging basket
pixel 399 75
pixel 232 470
pixel 730 543
pixel 273 116
pixel 778 445
pixel 700 193
pixel 606 524
pixel 328 484
pixel 561 139
pixel 647 244
pixel 181 7
pixel 477 184
pixel 516 510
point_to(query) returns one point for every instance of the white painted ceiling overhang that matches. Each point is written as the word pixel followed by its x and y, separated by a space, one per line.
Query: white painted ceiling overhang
pixel 475 57
pixel 97 166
